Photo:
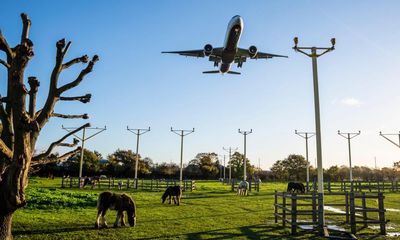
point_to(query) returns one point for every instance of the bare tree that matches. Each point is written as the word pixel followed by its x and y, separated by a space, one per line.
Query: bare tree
pixel 21 126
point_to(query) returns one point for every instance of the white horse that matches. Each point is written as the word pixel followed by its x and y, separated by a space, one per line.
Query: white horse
pixel 243 188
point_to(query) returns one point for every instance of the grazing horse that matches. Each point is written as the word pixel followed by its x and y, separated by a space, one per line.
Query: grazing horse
pixel 243 188
pixel 296 187
pixel 91 181
pixel 174 192
pixel 118 202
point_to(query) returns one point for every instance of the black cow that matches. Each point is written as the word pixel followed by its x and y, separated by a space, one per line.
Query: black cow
pixel 296 187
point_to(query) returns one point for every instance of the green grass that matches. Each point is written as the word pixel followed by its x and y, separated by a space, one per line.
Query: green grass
pixel 210 212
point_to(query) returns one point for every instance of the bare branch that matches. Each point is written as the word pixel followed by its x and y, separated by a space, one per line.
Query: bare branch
pixel 83 99
pixel 57 143
pixel 79 79
pixel 5 47
pixel 5 150
pixel 83 59
pixel 53 95
pixel 34 86
pixel 26 26
pixel 83 116
pixel 5 64
pixel 73 144
pixel 55 159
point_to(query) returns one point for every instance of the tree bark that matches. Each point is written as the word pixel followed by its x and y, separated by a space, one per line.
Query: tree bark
pixel 5 226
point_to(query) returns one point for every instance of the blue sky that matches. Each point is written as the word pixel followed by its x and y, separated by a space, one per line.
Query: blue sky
pixel 135 85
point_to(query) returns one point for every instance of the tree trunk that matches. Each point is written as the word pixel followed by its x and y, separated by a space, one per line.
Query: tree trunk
pixel 5 226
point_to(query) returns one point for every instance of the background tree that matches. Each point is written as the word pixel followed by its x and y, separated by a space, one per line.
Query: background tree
pixel 205 165
pixel 21 126
pixel 291 168
pixel 237 166
pixel 122 163
pixel 91 164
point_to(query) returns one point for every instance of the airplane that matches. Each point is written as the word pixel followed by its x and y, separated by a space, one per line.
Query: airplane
pixel 224 57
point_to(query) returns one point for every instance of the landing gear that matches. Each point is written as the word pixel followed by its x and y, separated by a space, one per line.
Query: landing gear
pixel 215 63
pixel 239 65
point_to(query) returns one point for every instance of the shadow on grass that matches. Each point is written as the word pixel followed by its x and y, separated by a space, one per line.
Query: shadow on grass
pixel 53 230
pixel 260 231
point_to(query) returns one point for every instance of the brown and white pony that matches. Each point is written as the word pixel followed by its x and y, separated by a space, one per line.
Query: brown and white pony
pixel 118 202
pixel 174 192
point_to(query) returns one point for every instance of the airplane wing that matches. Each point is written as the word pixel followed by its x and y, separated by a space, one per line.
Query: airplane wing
pixel 216 52
pixel 241 53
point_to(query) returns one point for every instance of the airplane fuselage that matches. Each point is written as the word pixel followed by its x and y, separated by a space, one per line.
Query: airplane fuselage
pixel 232 37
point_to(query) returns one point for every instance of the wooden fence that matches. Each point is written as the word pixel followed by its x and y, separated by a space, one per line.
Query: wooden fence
pixel 143 184
pixel 253 185
pixel 306 209
pixel 356 186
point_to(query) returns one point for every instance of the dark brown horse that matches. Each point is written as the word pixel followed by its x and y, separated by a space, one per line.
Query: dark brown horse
pixel 174 192
pixel 118 202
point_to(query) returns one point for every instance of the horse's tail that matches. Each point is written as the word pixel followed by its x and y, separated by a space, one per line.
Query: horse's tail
pixel 98 202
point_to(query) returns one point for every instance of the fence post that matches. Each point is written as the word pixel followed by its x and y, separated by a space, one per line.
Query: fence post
pixel 346 194
pixel 62 182
pixel 364 207
pixel 232 185
pixel 294 213
pixel 382 210
pixel 284 209
pixel 320 214
pixel 352 214
pixel 275 206
pixel 329 186
pixel 314 207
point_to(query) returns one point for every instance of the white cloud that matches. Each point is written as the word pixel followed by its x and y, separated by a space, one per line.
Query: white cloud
pixel 352 102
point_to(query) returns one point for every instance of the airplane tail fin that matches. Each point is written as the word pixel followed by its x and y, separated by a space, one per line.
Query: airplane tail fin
pixel 217 71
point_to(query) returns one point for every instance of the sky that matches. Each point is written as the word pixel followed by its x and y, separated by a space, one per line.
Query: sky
pixel 135 85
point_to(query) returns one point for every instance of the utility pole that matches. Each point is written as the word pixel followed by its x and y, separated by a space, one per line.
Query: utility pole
pixel 229 150
pixel 314 55
pixel 83 139
pixel 245 133
pixel 181 133
pixel 349 136
pixel 390 140
pixel 306 136
pixel 137 132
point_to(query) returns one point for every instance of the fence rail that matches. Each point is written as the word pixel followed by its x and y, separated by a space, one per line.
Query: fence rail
pixel 129 183
pixel 356 186
pixel 253 185
pixel 307 209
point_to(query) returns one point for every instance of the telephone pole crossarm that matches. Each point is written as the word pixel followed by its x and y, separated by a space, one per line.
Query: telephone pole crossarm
pixel 384 135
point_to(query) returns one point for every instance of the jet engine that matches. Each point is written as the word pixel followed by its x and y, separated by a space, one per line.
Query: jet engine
pixel 252 51
pixel 208 49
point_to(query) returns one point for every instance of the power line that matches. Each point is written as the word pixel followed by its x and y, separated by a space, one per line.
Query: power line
pixel 83 140
pixel 229 150
pixel 320 172
pixel 181 133
pixel 306 136
pixel 137 132
pixel 349 136
pixel 245 133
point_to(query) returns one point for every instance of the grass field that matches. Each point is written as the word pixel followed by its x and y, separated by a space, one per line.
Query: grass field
pixel 210 212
